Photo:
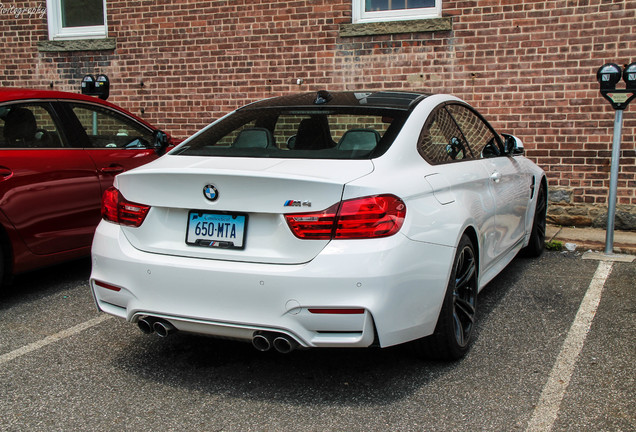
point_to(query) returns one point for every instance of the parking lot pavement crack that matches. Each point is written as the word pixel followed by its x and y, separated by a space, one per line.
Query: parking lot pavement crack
pixel 26 349
pixel 547 408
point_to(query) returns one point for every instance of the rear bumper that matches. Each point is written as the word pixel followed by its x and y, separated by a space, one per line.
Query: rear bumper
pixel 396 285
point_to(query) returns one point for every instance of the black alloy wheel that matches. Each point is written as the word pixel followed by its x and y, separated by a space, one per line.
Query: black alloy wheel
pixel 455 325
pixel 464 299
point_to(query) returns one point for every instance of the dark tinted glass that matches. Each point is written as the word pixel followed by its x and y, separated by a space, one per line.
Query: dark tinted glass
pixel 329 133
pixel 28 125
pixel 480 137
pixel 441 140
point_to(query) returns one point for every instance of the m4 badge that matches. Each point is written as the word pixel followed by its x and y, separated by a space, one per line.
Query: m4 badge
pixel 297 203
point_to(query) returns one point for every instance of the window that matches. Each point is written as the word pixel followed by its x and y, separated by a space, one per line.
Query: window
pixel 481 138
pixel 106 129
pixel 330 133
pixel 441 141
pixel 28 126
pixel 394 10
pixel 76 19
pixel 455 132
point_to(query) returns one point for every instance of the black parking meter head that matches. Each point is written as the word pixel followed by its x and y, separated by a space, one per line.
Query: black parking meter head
pixel 88 85
pixel 629 76
pixel 99 86
pixel 102 87
pixel 608 76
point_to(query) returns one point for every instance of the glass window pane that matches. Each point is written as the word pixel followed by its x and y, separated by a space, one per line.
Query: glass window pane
pixel 384 5
pixel 333 133
pixel 28 126
pixel 441 141
pixel 82 13
pixel 110 130
pixel 480 137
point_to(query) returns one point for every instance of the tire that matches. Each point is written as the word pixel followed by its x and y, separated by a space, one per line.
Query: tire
pixel 455 325
pixel 536 245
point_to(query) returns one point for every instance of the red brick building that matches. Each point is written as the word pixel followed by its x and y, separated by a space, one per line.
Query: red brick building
pixel 529 66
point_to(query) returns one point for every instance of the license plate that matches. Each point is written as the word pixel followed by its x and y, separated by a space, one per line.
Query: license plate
pixel 222 230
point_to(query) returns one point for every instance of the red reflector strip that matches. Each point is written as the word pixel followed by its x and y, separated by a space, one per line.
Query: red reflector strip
pixel 107 286
pixel 336 311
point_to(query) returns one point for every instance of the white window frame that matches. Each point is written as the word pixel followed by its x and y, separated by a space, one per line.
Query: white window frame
pixel 57 32
pixel 359 15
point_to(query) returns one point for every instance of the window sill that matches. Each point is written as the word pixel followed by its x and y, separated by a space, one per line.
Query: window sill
pixel 107 44
pixel 394 27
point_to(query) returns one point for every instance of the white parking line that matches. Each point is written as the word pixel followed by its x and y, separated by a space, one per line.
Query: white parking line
pixel 547 409
pixel 4 358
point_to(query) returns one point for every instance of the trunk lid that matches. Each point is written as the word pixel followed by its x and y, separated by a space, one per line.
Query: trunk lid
pixel 252 196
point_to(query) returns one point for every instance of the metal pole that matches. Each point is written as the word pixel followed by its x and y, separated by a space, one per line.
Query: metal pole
pixel 611 204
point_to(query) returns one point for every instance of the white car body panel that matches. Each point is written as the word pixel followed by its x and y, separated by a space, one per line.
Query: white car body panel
pixel 270 285
pixel 270 184
pixel 264 296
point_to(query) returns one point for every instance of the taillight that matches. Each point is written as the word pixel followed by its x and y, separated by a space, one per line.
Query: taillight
pixel 359 218
pixel 115 208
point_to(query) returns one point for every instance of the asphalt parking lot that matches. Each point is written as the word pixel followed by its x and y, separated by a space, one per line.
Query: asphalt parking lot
pixel 554 351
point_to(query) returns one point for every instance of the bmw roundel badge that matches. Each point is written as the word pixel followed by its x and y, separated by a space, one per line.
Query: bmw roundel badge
pixel 210 192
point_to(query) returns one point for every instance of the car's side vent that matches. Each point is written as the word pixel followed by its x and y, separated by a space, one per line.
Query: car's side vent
pixel 532 187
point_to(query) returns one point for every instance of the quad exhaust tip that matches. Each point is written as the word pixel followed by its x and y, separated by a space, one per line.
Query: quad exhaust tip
pixel 163 328
pixel 264 341
pixel 149 325
pixel 146 325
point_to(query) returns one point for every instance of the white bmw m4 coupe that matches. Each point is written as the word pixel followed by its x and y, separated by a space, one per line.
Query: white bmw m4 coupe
pixel 342 219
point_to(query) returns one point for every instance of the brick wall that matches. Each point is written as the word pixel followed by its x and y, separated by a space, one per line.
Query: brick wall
pixel 528 65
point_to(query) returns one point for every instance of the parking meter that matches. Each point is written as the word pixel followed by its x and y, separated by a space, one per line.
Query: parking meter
pixel 102 87
pixel 88 84
pixel 99 86
pixel 629 76
pixel 608 76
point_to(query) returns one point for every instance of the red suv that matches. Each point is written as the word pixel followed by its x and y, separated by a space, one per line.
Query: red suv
pixel 58 153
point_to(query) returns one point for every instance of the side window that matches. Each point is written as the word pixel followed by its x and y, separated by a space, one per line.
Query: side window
pixel 479 135
pixel 28 126
pixel 441 141
pixel 108 129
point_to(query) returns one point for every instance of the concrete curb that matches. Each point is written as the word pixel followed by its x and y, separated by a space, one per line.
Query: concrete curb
pixel 592 238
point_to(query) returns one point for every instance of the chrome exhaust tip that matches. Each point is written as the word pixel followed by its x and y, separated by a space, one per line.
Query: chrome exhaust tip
pixel 284 344
pixel 262 342
pixel 163 328
pixel 146 325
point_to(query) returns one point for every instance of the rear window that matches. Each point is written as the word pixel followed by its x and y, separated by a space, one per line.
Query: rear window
pixel 329 133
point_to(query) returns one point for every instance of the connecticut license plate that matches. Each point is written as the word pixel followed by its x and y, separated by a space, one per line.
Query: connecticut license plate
pixel 222 230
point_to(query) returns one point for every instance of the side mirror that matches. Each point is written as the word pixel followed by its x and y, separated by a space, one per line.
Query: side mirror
pixel 160 142
pixel 512 145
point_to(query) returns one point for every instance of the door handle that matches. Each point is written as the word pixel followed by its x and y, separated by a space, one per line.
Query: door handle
pixel 113 169
pixel 5 173
pixel 496 176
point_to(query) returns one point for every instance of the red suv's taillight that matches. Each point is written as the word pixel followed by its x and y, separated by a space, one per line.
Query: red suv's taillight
pixel 368 217
pixel 116 209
